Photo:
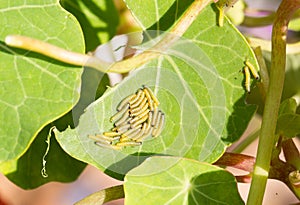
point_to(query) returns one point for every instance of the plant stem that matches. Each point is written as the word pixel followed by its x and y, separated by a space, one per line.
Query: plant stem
pixel 238 161
pixel 246 142
pixel 270 115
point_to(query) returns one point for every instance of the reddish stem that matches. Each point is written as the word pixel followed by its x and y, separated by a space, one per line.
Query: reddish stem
pixel 291 153
pixel 239 161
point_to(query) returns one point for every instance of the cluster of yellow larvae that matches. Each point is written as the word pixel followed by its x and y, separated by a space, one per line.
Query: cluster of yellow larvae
pixel 137 118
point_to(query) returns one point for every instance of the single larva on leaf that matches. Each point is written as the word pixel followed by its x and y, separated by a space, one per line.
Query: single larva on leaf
pixel 247 78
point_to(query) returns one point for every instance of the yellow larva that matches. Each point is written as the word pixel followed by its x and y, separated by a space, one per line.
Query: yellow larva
pixel 111 134
pixel 143 103
pixel 149 99
pixel 122 119
pixel 156 102
pixel 159 127
pixel 127 121
pixel 131 130
pixel 103 137
pixel 139 135
pixel 130 135
pixel 138 102
pixel 150 116
pixel 252 69
pixel 137 96
pixel 99 140
pixel 101 144
pixel 140 121
pixel 128 143
pixel 156 123
pixel 139 116
pixel 154 117
pixel 141 113
pixel 120 113
pixel 124 102
pixel 107 145
pixel 123 128
pixel 247 78
pixel 138 110
pixel 221 16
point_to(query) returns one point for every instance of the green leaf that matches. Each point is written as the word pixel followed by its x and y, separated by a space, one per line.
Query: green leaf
pixel 35 90
pixel 200 88
pixel 291 81
pixel 8 166
pixel 294 24
pixel 98 20
pixel 288 123
pixel 148 12
pixel 103 196
pixel 171 180
pixel 59 166
pixel 288 106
